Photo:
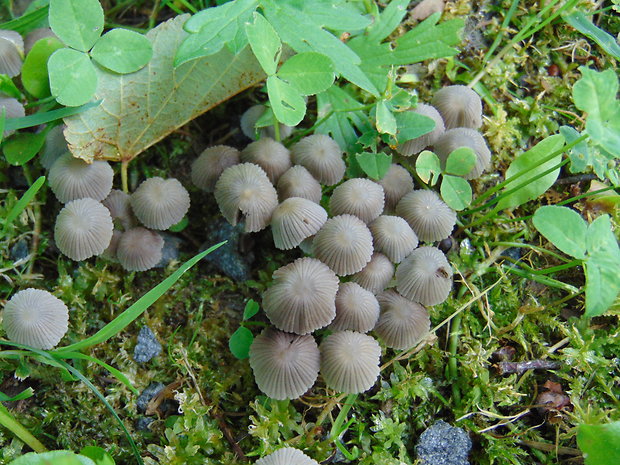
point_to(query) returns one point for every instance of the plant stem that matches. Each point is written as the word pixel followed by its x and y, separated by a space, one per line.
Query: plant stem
pixel 336 430
pixel 9 422
pixel 452 366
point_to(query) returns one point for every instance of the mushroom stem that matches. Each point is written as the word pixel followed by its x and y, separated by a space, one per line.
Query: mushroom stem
pixel 125 186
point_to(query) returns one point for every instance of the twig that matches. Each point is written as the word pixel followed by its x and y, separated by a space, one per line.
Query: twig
pixel 521 367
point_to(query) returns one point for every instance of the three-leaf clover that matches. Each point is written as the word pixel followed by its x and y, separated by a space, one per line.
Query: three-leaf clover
pixel 241 340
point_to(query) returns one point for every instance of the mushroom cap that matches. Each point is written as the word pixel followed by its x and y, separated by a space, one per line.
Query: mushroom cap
pixel 415 146
pixel 271 156
pixel 35 318
pixel 393 236
pixel 294 220
pixel 396 183
pixel 36 35
pixel 464 137
pixel 356 309
pixel 302 297
pixel 245 190
pixel 11 52
pixel 425 276
pixel 429 216
pixel 72 178
pixel 119 204
pixel 359 197
pixel 350 361
pixel 287 456
pixel 83 229
pixel 139 249
pixel 322 156
pixel 344 243
pixel 55 146
pixel 285 365
pixel 298 182
pixel 13 109
pixel 376 275
pixel 110 252
pixel 248 124
pixel 459 106
pixel 209 166
pixel 160 203
pixel 402 323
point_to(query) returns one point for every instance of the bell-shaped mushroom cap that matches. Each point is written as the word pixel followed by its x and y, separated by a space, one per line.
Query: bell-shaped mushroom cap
pixel 284 365
pixel 13 109
pixel 11 52
pixel 110 252
pixel 55 146
pixel 287 456
pixel 83 229
pixel 271 156
pixel 356 309
pixel 36 35
pixel 402 323
pixel 359 197
pixel 139 249
pixel 160 203
pixel 425 276
pixel 119 204
pixel 72 178
pixel 429 216
pixel 464 137
pixel 209 166
pixel 396 183
pixel 393 236
pixel 294 220
pixel 459 106
pixel 302 297
pixel 350 361
pixel 298 182
pixel 248 124
pixel 415 146
pixel 35 318
pixel 245 190
pixel 344 243
pixel 322 156
pixel 376 275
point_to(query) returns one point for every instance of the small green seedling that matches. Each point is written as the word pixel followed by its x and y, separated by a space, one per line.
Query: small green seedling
pixel 599 443
pixel 241 340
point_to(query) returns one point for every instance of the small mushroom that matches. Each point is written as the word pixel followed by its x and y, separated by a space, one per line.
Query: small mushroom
pixel 36 35
pixel 72 178
pixel 273 157
pixel 402 323
pixel 139 249
pixel 415 146
pixel 287 456
pixel 298 182
pixel 11 52
pixel 119 204
pixel 429 216
pixel 360 197
pixel 160 203
pixel 294 220
pixel 425 276
pixel 393 236
pixel 464 137
pixel 357 309
pixel 110 252
pixel 248 124
pixel 459 106
pixel 322 156
pixel 376 275
pixel 55 146
pixel 210 165
pixel 12 109
pixel 396 183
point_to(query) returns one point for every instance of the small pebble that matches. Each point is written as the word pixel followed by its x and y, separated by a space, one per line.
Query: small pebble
pixel 227 258
pixel 20 250
pixel 442 444
pixel 148 346
pixel 151 391
pixel 142 424
pixel 170 251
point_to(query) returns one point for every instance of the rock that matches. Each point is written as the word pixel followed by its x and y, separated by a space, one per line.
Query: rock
pixel 151 391
pixel 170 251
pixel 442 444
pixel 148 346
pixel 19 251
pixel 142 424
pixel 227 258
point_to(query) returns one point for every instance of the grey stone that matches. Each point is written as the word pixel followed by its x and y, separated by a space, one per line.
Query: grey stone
pixel 151 391
pixel 442 444
pixel 227 258
pixel 142 423
pixel 148 346
pixel 20 250
pixel 170 250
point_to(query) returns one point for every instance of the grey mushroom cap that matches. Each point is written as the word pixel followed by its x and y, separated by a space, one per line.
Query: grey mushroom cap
pixel 350 361
pixel 459 106
pixel 210 165
pixel 244 192
pixel 298 182
pixel 139 249
pixel 248 124
pixel 464 137
pixel 322 156
pixel 344 243
pixel 425 276
pixel 396 183
pixel 55 146
pixel 402 323
pixel 72 178
pixel 273 157
pixel 302 297
pixel 393 237
pixel 160 203
pixel 119 204
pixel 11 52
pixel 357 309
pixel 359 197
pixel 83 229
pixel 415 146
pixel 285 365
pixel 12 109
pixel 36 318
pixel 376 275
pixel 36 35
pixel 294 220
pixel 429 216
pixel 287 456
pixel 110 252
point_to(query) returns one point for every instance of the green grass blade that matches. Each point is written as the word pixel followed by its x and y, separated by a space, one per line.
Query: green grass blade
pixel 12 124
pixel 113 371
pixel 27 22
pixel 9 422
pixel 606 41
pixel 22 203
pixel 505 23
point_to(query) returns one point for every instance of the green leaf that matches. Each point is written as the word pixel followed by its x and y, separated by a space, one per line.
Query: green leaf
pixel 606 133
pixel 428 167
pixel 46 116
pixel 34 71
pixel 180 226
pixel 595 92
pixel 240 342
pixel 461 161
pixel 387 21
pixel 580 156
pixel 386 122
pixel 55 457
pixel 600 444
pixel 25 394
pixel 21 148
pixel 78 23
pixel 251 309
pixel 2 122
pixel 98 455
pixel 8 87
pixel 27 22
pixel 288 106
pixel 529 163
pixel 122 51
pixel 73 78
pixel 564 228
pixel 309 72
pixel 606 41
pixel 375 165
pixel 22 202
pixel 336 15
pixel 456 192
pixel 265 43
pixel 412 125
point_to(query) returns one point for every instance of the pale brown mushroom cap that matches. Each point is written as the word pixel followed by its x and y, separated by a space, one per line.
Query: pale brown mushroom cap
pixel 298 182
pixel 464 137
pixel 83 229
pixel 273 157
pixel 139 249
pixel 294 220
pixel 415 146
pixel 459 106
pixel 251 116
pixel 160 203
pixel 72 178
pixel 12 109
pixel 11 52
pixel 430 217
pixel 344 243
pixel 402 323
pixel 287 456
pixel 244 192
pixel 285 365
pixel 393 237
pixel 350 361
pixel 359 197
pixel 322 156
pixel 119 204
pixel 36 318
pixel 396 183
pixel 110 252
pixel 425 276
pixel 302 297
pixel 209 166
pixel 357 309
pixel 55 146
pixel 376 275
